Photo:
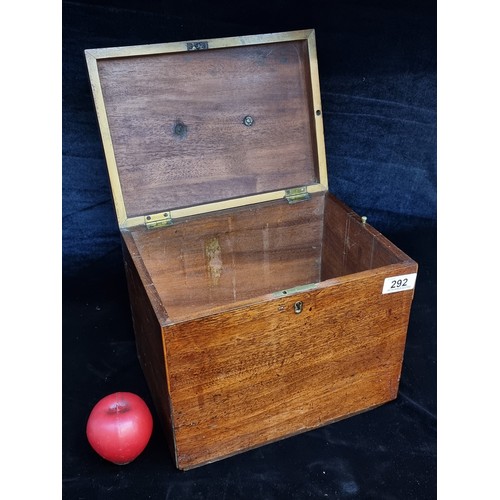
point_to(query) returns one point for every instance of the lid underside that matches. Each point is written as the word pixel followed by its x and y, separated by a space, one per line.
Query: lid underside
pixel 195 127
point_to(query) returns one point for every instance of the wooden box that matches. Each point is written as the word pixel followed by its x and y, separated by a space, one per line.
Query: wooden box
pixel 262 305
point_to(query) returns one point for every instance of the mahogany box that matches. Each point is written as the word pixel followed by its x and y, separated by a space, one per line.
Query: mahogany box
pixel 262 305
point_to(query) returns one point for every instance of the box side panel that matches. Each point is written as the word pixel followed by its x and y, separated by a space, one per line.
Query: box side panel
pixel 149 339
pixel 249 377
pixel 352 246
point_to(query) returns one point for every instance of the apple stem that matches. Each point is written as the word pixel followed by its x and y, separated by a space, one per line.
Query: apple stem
pixel 118 408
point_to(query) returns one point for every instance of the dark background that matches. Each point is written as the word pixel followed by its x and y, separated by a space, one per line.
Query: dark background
pixel 377 62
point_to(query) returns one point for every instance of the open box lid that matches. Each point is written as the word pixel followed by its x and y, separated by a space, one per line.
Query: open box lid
pixel 194 127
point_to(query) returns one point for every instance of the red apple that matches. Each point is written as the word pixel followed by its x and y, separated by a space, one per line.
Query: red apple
pixel 119 427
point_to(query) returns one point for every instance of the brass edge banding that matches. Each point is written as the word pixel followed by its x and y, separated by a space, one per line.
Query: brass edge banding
pixel 318 119
pixel 223 205
pixel 213 43
pixel 106 138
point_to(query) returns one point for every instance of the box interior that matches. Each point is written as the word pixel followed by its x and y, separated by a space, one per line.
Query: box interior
pixel 214 262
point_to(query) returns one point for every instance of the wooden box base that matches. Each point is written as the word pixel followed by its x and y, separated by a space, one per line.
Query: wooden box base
pixel 260 322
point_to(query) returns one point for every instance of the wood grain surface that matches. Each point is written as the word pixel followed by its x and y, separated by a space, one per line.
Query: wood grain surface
pixel 148 316
pixel 212 263
pixel 351 246
pixel 177 124
pixel 247 377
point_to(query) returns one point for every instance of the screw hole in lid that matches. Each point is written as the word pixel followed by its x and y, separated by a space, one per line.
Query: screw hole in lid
pixel 248 121
pixel 318 112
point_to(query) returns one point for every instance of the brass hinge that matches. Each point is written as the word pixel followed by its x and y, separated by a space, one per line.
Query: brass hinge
pixel 294 195
pixel 158 220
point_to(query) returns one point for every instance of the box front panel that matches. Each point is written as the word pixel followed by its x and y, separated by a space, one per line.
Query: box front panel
pixel 242 379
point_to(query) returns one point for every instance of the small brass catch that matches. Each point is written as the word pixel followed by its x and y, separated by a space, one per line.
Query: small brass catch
pixel 197 45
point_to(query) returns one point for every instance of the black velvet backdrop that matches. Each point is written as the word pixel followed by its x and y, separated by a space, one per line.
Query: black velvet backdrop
pixel 377 62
